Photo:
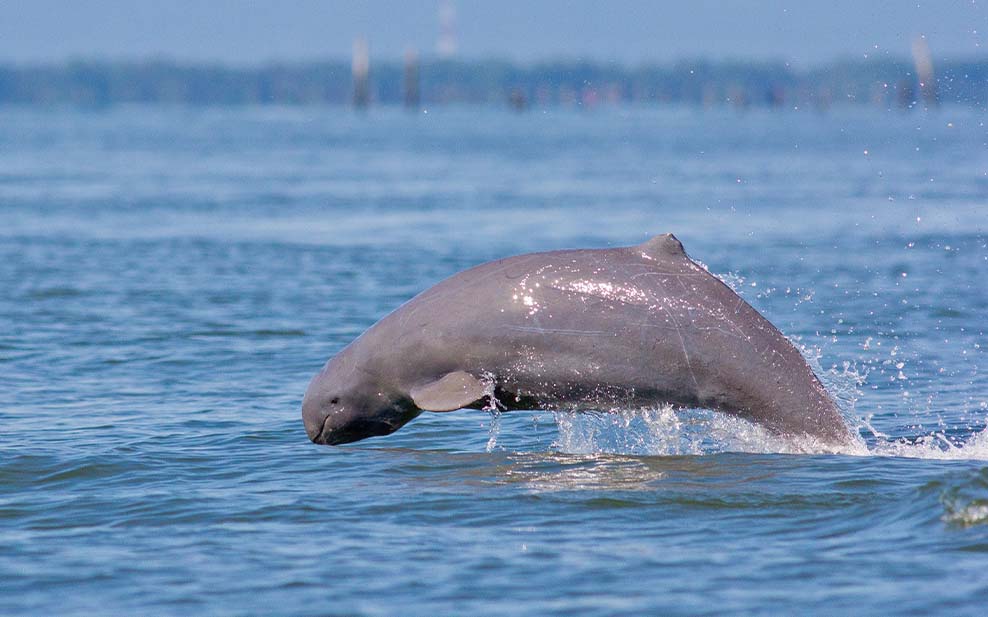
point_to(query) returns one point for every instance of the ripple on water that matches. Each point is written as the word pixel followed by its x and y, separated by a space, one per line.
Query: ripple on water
pixel 965 501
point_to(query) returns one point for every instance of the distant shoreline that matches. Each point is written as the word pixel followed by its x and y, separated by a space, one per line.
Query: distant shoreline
pixel 887 83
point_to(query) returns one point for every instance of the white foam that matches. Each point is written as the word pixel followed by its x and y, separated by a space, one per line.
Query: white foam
pixel 934 446
pixel 662 431
pixel 965 515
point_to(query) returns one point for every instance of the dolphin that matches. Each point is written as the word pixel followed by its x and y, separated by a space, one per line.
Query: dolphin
pixel 570 330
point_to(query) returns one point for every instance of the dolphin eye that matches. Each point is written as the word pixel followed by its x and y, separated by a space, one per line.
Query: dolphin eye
pixel 334 401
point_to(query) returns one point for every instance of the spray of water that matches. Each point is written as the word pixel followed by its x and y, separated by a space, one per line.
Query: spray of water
pixel 664 431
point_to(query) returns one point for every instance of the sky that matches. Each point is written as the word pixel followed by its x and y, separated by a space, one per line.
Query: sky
pixel 249 32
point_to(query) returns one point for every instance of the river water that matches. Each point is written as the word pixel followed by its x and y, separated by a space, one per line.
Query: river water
pixel 173 277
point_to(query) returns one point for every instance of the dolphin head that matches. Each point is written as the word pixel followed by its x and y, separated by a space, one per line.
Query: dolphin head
pixel 341 406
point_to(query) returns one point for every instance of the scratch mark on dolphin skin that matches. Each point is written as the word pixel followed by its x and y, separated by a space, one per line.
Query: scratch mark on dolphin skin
pixel 669 274
pixel 686 354
pixel 679 333
pixel 732 333
pixel 538 330
pixel 654 326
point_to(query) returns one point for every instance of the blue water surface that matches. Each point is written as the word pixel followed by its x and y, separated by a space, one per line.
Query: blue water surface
pixel 173 277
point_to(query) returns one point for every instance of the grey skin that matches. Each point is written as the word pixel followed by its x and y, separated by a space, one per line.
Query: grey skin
pixel 574 329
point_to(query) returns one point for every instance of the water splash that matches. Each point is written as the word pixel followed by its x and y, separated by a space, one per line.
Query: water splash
pixel 663 431
pixel 494 407
pixel 494 430
pixel 936 446
pixel 648 431
pixel 845 383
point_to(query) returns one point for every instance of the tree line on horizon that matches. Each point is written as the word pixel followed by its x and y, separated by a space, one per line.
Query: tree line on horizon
pixel 885 82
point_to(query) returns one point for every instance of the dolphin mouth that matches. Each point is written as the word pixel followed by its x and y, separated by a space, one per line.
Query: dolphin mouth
pixel 318 437
pixel 354 431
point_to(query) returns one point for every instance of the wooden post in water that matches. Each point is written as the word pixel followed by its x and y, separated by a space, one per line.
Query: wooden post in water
pixel 923 62
pixel 446 45
pixel 361 73
pixel 410 86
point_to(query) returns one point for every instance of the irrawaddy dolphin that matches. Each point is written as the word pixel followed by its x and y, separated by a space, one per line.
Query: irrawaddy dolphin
pixel 567 330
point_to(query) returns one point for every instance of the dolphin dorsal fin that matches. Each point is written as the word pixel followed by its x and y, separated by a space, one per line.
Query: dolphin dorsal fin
pixel 663 245
pixel 454 391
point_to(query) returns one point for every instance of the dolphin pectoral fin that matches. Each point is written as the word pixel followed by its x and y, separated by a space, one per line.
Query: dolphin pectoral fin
pixel 453 391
